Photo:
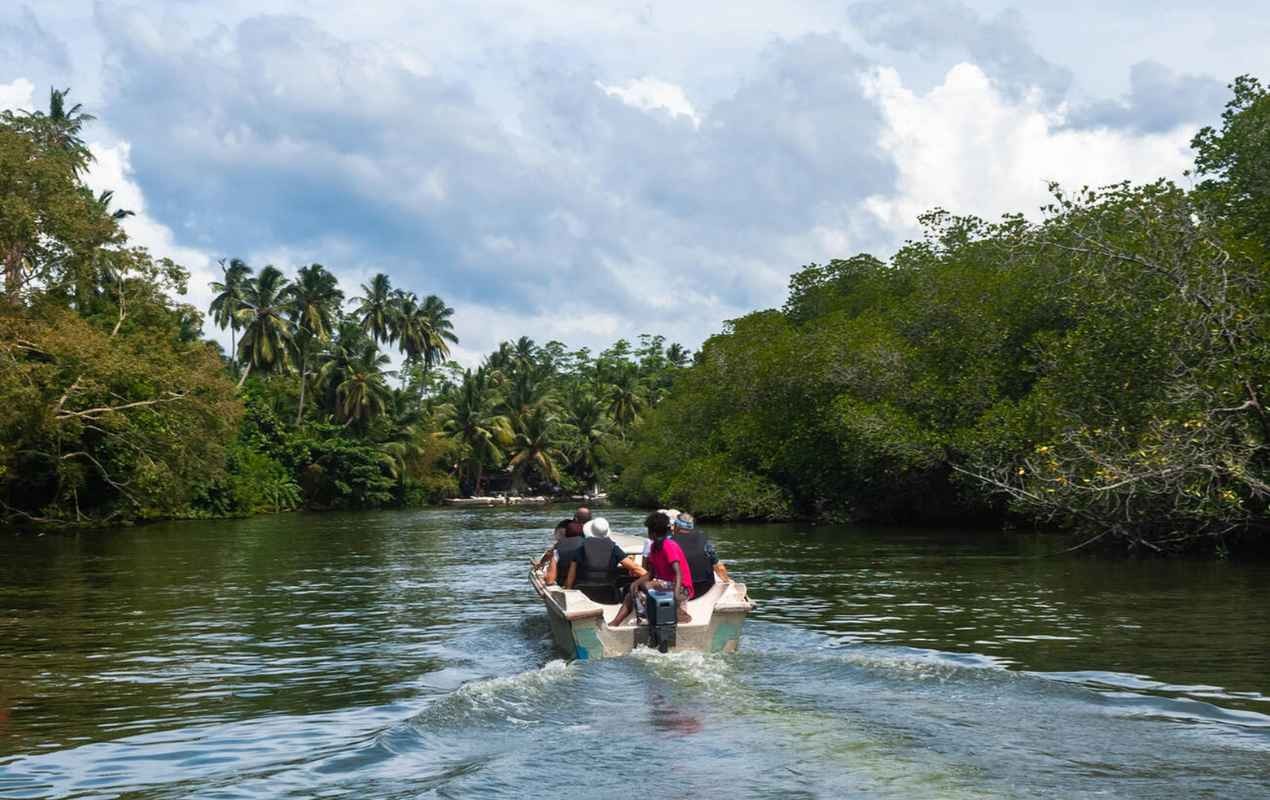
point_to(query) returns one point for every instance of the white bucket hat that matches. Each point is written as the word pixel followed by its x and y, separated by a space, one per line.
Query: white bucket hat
pixel 598 527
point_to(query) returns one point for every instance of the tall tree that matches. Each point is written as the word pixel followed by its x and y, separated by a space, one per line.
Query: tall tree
pixel 471 420
pixel 58 130
pixel 678 355
pixel 268 334
pixel 229 299
pixel 377 307
pixel 46 215
pixel 591 430
pixel 315 303
pixel 626 399
pixel 364 392
pixel 536 447
pixel 411 327
pixel 440 331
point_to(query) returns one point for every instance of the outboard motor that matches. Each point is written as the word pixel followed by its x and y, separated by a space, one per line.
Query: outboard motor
pixel 662 619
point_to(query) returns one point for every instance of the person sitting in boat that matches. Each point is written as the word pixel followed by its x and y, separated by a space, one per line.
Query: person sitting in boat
pixel 668 570
pixel 582 516
pixel 567 551
pixel 599 570
pixel 702 558
pixel 560 528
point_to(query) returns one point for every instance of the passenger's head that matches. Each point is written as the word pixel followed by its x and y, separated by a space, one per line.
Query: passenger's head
pixel 574 528
pixel 658 524
pixel 582 516
pixel 561 526
pixel 684 523
pixel 598 527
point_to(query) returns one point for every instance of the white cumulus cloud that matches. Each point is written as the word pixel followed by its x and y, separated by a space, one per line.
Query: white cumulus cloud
pixel 966 147
pixel 111 170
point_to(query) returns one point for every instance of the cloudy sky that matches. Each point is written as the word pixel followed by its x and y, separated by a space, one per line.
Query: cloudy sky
pixel 585 171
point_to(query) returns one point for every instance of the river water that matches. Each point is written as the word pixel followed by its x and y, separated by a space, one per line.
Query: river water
pixel 402 655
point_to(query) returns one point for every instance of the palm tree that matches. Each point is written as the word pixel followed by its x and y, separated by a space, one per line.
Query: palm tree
pixel 677 354
pixel 364 392
pixel 591 433
pixel 525 351
pixel 377 308
pixel 411 327
pixel 58 130
pixel 625 399
pixel 440 331
pixel 471 421
pixel 229 299
pixel 338 361
pixel 316 299
pixel 103 202
pixel 406 440
pixel 536 448
pixel 268 335
pixel 528 389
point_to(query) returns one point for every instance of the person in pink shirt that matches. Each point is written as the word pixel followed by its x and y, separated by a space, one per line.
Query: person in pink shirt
pixel 667 570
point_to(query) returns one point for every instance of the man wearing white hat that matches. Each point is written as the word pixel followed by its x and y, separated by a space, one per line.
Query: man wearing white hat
pixel 601 564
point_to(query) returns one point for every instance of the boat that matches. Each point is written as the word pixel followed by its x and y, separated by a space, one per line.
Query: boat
pixel 581 630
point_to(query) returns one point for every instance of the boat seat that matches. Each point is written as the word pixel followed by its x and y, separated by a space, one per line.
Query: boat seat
pixel 606 592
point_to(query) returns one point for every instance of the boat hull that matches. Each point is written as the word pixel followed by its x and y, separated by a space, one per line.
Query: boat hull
pixel 580 627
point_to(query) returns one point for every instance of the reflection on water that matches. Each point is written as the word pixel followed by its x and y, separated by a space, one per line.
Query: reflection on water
pixel 401 655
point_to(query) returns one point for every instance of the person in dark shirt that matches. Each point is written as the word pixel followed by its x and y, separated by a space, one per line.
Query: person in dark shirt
pixel 702 557
pixel 601 561
pixel 551 551
pixel 567 551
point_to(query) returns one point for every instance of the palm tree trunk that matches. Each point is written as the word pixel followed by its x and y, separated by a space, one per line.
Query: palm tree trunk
pixel 299 411
pixel 246 372
pixel 476 488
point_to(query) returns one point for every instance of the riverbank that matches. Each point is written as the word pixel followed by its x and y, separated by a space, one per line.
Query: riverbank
pixel 517 500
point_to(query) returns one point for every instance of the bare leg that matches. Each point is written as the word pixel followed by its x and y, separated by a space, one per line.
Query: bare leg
pixel 629 602
pixel 624 612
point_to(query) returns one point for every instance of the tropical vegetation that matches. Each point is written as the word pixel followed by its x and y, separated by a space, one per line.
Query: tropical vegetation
pixel 1102 369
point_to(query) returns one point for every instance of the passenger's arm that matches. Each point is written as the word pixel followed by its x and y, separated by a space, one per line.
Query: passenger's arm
pixel 550 577
pixel 630 566
pixel 679 579
pixel 722 571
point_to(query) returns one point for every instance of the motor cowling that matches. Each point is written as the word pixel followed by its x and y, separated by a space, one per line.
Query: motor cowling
pixel 663 619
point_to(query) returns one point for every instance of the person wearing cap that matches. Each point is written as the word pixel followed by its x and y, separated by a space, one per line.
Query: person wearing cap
pixel 702 558
pixel 600 564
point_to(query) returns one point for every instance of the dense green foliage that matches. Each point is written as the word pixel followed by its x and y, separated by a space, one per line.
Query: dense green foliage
pixel 112 407
pixel 546 418
pixel 1101 369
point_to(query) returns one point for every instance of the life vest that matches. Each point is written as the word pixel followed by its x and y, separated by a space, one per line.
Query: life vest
pixel 694 546
pixel 596 567
pixel 568 550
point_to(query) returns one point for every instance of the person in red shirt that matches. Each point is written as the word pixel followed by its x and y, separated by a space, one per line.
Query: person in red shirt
pixel 668 570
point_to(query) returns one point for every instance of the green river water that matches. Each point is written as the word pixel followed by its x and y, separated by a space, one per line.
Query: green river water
pixel 403 655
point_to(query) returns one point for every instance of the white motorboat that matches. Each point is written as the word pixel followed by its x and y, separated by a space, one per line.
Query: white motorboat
pixel 581 626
